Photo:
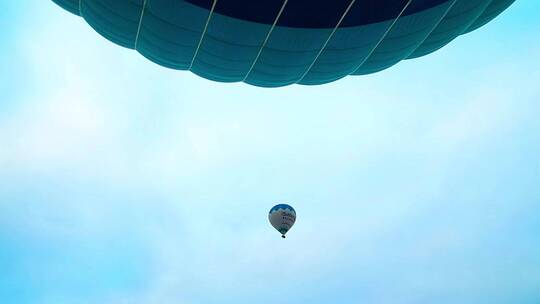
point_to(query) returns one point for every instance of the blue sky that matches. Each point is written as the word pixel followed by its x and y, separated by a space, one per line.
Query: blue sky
pixel 125 182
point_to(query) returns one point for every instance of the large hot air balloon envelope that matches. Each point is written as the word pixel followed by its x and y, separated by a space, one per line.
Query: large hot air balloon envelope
pixel 272 43
pixel 282 218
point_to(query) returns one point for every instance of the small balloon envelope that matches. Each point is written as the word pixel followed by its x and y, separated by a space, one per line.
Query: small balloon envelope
pixel 282 218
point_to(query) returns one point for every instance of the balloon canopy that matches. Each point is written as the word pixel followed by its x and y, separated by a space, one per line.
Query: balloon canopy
pixel 282 218
pixel 272 43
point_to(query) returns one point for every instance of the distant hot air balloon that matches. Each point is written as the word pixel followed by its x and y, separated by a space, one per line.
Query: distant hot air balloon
pixel 282 217
pixel 272 43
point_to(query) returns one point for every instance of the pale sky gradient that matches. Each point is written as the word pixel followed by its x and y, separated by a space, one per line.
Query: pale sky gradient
pixel 125 182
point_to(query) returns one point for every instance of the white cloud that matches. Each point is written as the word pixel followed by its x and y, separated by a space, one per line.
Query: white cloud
pixel 63 131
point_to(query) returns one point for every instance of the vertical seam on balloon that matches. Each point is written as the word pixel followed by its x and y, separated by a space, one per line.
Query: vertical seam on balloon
pixel 382 38
pixel 488 2
pixel 327 41
pixel 203 34
pixel 140 24
pixel 433 29
pixel 80 9
pixel 477 17
pixel 266 39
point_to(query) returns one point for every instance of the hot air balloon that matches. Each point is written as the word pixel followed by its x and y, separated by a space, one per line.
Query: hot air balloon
pixel 272 43
pixel 282 217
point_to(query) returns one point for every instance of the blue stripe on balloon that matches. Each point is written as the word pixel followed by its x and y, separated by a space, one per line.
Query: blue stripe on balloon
pixel 282 206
